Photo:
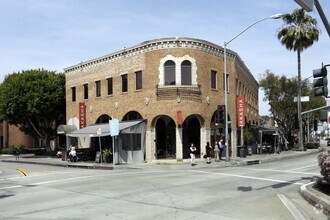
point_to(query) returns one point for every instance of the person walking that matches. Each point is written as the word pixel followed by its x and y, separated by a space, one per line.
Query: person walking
pixel 221 146
pixel 208 149
pixel 193 150
pixel 216 151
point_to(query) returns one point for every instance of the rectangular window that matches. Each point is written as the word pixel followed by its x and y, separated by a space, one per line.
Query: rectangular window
pixel 110 88
pixel 213 79
pixel 224 82
pixel 98 88
pixel 85 91
pixel 138 80
pixel 124 83
pixel 73 94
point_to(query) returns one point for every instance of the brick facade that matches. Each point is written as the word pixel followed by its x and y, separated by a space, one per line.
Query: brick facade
pixel 197 100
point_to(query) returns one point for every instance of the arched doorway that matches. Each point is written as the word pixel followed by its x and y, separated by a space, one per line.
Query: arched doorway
pixel 191 134
pixel 165 138
pixel 132 115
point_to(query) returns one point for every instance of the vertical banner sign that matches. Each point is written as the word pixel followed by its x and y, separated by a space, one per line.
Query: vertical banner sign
pixel 240 111
pixel 82 115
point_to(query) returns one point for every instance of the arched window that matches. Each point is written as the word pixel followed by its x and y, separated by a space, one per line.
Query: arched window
pixel 169 73
pixel 186 72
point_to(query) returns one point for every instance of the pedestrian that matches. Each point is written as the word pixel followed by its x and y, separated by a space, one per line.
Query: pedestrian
pixel 208 149
pixel 221 146
pixel 216 151
pixel 192 154
pixel 73 154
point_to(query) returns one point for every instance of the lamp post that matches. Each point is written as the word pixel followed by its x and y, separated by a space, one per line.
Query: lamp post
pixel 275 16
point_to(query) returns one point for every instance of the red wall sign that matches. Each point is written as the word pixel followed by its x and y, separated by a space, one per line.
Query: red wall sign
pixel 240 111
pixel 180 117
pixel 82 115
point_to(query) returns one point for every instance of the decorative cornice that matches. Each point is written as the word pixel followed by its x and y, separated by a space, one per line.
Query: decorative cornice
pixel 157 44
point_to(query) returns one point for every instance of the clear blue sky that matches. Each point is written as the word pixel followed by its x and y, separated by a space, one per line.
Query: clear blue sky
pixel 57 34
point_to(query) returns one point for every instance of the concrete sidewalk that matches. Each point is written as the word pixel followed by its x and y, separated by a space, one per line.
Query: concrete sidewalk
pixel 201 163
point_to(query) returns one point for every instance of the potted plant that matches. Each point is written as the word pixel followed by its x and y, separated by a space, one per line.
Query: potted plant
pixel 107 155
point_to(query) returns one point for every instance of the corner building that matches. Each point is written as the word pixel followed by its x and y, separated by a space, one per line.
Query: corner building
pixel 175 84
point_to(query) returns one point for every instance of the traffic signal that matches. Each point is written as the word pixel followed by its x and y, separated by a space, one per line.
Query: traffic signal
pixel 320 82
pixel 220 115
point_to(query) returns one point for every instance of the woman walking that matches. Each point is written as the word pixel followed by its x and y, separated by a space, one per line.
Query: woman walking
pixel 193 150
pixel 216 151
pixel 208 149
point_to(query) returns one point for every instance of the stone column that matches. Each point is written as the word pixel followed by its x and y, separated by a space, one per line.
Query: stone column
pixel 205 137
pixel 179 150
pixel 233 143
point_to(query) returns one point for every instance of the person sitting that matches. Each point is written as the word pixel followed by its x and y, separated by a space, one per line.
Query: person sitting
pixel 73 155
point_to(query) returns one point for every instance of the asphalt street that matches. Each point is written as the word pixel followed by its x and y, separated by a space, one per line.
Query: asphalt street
pixel 263 191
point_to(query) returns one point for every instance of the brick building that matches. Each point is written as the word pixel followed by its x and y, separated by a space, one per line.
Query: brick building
pixel 173 83
pixel 10 135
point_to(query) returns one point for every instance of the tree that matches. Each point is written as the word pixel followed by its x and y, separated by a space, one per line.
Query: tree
pixel 299 32
pixel 34 100
pixel 279 92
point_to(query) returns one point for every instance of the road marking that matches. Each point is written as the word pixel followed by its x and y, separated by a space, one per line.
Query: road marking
pixel 299 168
pixel 22 172
pixel 248 177
pixel 285 171
pixel 291 207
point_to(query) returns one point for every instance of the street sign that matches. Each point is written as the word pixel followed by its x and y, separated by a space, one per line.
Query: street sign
pixel 114 127
pixel 302 99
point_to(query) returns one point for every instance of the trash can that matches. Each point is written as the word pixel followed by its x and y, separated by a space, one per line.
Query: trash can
pixel 63 155
pixel 242 152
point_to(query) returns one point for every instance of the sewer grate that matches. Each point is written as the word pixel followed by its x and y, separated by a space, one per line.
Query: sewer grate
pixel 253 162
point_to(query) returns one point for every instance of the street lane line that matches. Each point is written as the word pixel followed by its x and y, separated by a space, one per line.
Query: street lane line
pixel 22 172
pixel 285 171
pixel 291 207
pixel 248 177
pixel 299 168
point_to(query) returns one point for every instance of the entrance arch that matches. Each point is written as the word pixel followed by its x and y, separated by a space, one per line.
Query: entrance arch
pixel 165 138
pixel 132 115
pixel 191 133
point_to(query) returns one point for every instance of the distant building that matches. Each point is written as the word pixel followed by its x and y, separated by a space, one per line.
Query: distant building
pixel 10 135
pixel 173 83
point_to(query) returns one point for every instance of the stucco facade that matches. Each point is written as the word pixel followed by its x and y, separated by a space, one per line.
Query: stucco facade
pixel 164 81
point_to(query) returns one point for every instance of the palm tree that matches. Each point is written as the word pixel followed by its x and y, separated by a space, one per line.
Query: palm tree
pixel 299 32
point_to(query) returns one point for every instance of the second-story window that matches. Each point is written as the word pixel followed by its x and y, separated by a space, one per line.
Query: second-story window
pixel 213 79
pixel 85 91
pixel 73 94
pixel 186 72
pixel 169 73
pixel 110 88
pixel 124 83
pixel 138 80
pixel 98 88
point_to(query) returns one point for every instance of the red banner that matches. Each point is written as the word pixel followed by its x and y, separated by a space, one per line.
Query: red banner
pixel 240 111
pixel 180 119
pixel 82 115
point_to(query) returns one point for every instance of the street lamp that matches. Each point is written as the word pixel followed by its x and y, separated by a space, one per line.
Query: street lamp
pixel 275 16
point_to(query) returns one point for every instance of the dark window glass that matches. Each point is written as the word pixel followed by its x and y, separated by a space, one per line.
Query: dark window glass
pixel 86 91
pixel 131 142
pixel 169 72
pixel 110 89
pixel 138 80
pixel 213 79
pixel 186 72
pixel 98 88
pixel 73 93
pixel 124 83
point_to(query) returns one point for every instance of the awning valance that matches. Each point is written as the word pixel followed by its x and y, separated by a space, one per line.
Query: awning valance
pixel 103 129
pixel 65 129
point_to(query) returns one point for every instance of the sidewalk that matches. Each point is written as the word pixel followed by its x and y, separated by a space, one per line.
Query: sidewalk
pixel 248 160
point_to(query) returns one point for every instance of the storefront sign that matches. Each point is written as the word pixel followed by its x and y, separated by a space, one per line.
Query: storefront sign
pixel 82 115
pixel 240 111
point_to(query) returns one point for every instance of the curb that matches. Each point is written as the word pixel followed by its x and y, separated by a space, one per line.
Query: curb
pixel 317 199
pixel 62 165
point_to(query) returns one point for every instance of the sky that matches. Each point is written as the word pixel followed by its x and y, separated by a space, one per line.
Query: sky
pixel 57 34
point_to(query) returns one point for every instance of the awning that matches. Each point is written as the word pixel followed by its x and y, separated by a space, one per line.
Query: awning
pixel 65 129
pixel 101 129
